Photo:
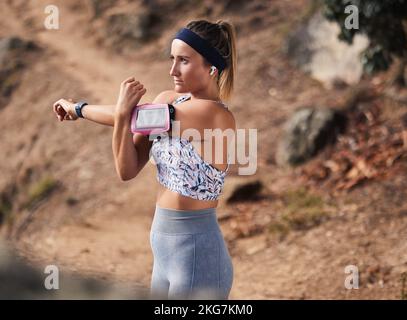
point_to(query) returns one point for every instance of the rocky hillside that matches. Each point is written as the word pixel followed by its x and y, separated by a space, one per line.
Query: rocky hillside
pixel 291 231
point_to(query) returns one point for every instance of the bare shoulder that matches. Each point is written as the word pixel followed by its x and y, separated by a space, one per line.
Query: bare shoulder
pixel 211 114
pixel 167 96
pixel 223 118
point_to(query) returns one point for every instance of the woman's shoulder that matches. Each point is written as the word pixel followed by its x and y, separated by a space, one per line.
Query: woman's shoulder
pixel 167 96
pixel 217 109
pixel 215 114
pixel 201 108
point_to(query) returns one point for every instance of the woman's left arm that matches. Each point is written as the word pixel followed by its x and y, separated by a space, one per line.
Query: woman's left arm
pixel 124 152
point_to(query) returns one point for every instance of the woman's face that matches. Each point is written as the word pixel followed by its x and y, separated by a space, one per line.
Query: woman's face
pixel 188 66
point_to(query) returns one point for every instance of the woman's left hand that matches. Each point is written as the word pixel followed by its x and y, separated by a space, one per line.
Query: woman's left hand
pixel 130 94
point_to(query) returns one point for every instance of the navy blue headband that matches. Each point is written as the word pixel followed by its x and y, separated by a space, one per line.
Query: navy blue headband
pixel 203 47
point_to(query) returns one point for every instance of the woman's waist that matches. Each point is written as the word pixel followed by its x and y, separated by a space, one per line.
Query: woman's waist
pixel 169 220
pixel 167 198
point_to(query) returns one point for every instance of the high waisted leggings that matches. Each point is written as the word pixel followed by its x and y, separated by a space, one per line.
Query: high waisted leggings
pixel 191 259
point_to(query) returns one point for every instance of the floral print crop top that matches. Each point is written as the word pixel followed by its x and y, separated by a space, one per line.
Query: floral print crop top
pixel 181 169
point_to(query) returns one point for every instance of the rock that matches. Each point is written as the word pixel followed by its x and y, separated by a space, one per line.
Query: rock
pixel 13 59
pixel 98 7
pixel 315 48
pixel 307 132
pixel 131 30
pixel 246 192
pixel 233 5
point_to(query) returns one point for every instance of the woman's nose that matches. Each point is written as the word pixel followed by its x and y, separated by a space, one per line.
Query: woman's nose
pixel 174 70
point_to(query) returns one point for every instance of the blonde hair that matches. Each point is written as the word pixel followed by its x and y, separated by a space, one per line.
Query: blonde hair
pixel 222 36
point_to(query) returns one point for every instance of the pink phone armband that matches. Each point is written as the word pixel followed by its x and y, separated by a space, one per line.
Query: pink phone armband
pixel 152 118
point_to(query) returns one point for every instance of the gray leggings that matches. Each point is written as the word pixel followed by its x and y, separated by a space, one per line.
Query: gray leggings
pixel 191 259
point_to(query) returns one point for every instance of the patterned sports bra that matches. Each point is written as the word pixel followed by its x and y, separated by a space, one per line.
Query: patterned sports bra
pixel 181 169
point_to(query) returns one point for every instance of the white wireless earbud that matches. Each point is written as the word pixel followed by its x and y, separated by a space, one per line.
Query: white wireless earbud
pixel 212 70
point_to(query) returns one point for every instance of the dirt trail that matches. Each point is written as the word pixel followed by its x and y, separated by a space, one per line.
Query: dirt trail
pixel 106 239
pixel 107 234
pixel 106 242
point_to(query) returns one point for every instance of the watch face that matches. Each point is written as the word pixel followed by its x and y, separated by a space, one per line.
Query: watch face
pixel 151 118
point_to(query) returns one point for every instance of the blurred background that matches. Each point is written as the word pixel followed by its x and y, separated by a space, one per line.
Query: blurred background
pixel 329 107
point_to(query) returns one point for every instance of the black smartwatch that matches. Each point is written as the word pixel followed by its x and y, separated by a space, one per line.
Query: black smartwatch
pixel 78 108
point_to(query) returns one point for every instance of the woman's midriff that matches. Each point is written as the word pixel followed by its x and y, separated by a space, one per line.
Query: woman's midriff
pixel 173 200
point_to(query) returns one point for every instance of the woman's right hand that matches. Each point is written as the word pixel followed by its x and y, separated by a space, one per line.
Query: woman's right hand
pixel 65 109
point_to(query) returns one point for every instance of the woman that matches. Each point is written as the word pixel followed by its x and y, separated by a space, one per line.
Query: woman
pixel 191 259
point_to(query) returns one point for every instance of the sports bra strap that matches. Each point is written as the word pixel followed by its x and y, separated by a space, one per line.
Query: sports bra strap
pixel 182 99
pixel 187 97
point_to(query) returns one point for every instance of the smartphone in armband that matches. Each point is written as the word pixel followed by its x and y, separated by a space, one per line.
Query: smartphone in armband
pixel 152 119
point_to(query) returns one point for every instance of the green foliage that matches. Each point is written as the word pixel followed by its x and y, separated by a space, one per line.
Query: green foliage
pixel 381 21
pixel 7 196
pixel 403 286
pixel 5 208
pixel 302 211
pixel 41 190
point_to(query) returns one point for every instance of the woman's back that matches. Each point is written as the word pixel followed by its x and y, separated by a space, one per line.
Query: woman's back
pixel 186 175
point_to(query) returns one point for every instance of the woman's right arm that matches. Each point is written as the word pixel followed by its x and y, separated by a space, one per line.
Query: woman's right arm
pixel 102 114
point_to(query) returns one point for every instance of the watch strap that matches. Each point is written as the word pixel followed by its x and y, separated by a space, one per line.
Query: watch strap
pixel 78 108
